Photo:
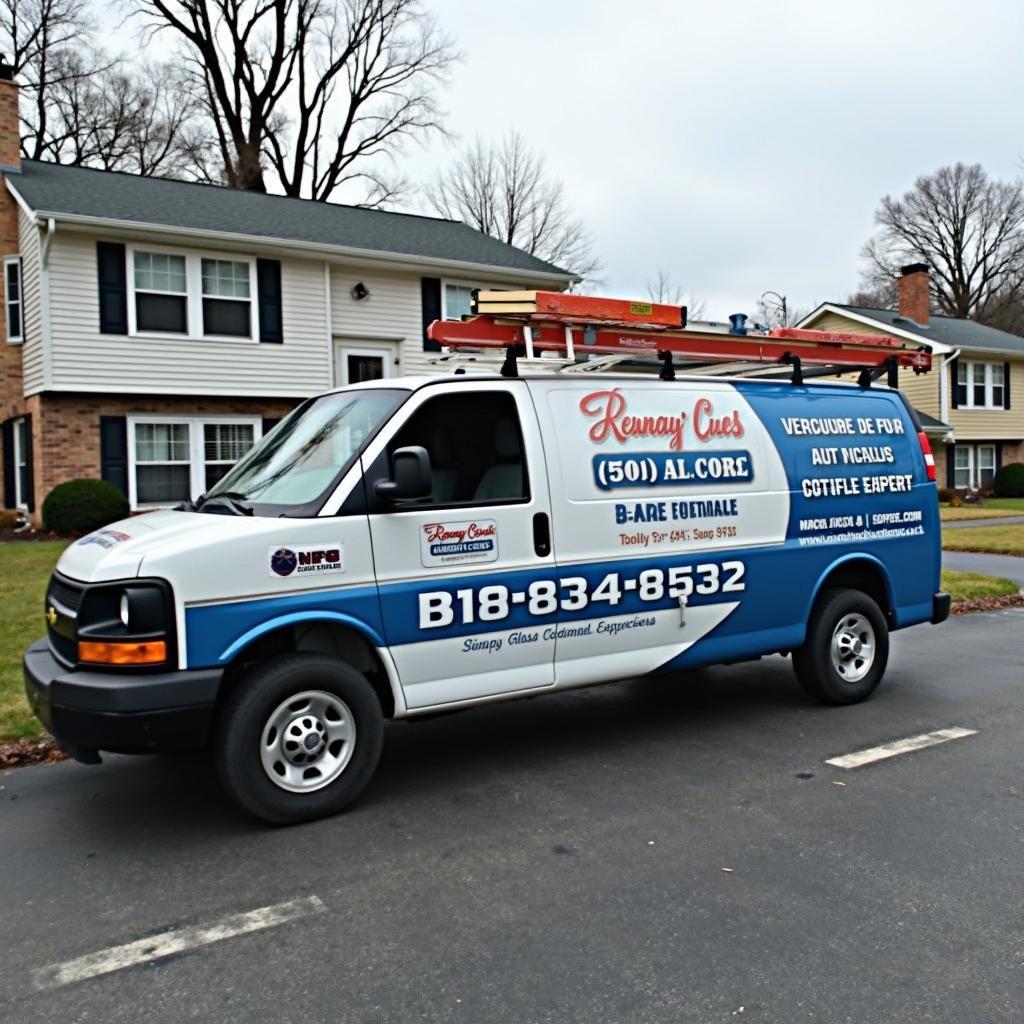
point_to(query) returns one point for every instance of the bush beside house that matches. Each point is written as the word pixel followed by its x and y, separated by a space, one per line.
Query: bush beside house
pixel 81 506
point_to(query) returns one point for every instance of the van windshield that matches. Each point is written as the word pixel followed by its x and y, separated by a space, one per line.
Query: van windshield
pixel 301 459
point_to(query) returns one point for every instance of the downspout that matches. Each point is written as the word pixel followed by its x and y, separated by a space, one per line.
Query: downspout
pixel 51 228
pixel 944 385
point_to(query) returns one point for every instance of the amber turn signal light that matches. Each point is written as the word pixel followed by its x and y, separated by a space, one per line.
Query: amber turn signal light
pixel 152 652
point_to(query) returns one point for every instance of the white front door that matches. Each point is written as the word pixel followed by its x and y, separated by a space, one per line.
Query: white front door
pixel 354 363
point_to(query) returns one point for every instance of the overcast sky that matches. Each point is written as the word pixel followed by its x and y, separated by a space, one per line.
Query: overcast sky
pixel 741 145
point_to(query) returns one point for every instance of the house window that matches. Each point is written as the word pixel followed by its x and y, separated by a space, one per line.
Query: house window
pixel 163 464
pixel 980 385
pixel 175 459
pixel 161 292
pixel 227 298
pixel 192 295
pixel 223 445
pixel 12 293
pixel 21 467
pixel 457 298
pixel 974 466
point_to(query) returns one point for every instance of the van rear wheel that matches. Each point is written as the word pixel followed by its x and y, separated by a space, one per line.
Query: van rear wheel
pixel 844 656
pixel 299 738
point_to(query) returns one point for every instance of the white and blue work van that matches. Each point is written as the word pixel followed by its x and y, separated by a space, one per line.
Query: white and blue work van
pixel 409 546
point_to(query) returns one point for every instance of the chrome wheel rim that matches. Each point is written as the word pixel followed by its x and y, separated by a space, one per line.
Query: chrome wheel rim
pixel 853 647
pixel 307 741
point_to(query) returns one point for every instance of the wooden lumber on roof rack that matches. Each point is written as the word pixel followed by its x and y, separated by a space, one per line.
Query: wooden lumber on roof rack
pixel 589 307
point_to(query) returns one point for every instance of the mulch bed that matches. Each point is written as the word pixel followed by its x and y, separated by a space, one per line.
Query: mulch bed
pixel 988 604
pixel 10 536
pixel 17 753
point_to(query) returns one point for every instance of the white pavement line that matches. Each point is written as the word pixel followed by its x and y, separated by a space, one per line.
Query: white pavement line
pixel 116 958
pixel 927 739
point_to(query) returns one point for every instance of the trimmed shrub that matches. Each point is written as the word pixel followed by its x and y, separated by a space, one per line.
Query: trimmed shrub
pixel 1009 481
pixel 946 494
pixel 81 506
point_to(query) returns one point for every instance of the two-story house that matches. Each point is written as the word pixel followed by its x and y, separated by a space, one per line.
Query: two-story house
pixel 972 403
pixel 153 329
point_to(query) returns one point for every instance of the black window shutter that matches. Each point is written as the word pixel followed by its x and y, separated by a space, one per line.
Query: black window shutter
pixel 954 368
pixel 114 451
pixel 430 293
pixel 29 496
pixel 113 283
pixel 951 465
pixel 268 290
pixel 999 455
pixel 9 487
pixel 1006 385
pixel 269 423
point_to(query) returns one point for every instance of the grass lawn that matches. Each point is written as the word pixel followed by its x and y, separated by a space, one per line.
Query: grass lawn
pixel 999 540
pixel 963 586
pixel 24 569
pixel 993 508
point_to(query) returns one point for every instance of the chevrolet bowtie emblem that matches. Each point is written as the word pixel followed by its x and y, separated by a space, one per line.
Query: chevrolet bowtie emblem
pixel 51 615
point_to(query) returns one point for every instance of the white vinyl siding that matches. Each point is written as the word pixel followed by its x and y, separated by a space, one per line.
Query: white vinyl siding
pixel 85 360
pixel 33 357
pixel 391 315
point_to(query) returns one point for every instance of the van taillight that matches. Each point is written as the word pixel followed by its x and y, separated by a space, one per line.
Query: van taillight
pixel 926 451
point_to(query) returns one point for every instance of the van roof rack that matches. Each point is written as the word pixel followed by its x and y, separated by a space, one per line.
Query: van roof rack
pixel 584 333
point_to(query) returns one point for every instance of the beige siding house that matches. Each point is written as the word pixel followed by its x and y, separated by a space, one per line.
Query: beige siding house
pixel 972 403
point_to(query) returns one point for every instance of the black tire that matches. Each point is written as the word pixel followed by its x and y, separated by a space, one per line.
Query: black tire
pixel 815 664
pixel 247 712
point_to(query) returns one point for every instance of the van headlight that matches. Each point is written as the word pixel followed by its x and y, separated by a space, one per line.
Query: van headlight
pixel 126 624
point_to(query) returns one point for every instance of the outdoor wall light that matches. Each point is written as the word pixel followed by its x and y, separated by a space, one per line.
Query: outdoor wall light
pixel 360 292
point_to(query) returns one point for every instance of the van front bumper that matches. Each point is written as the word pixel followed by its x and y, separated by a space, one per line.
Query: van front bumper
pixel 941 603
pixel 120 712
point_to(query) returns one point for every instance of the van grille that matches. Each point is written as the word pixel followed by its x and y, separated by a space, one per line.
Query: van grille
pixel 64 596
pixel 65 593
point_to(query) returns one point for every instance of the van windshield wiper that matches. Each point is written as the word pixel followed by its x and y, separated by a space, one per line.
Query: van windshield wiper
pixel 231 499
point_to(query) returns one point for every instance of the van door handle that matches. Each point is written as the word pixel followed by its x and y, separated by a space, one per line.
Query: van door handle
pixel 541 535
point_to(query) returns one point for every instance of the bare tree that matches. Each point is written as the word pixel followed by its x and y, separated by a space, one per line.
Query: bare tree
pixel 967 228
pixel 49 46
pixel 81 106
pixel 662 288
pixel 315 96
pixel 505 191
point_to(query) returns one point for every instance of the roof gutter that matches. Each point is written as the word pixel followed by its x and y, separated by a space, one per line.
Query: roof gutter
pixel 307 248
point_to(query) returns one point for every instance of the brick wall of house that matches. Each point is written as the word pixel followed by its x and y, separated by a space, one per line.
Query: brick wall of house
pixel 67 426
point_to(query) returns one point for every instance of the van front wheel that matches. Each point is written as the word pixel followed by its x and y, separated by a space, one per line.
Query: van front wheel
pixel 844 656
pixel 299 738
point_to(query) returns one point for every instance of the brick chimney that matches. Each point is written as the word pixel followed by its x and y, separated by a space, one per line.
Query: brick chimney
pixel 915 297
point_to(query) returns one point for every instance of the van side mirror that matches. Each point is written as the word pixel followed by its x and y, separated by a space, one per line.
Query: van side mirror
pixel 412 478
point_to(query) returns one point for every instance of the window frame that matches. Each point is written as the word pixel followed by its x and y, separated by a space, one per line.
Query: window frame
pixel 403 508
pixel 974 467
pixel 196 449
pixel 462 283
pixel 14 339
pixel 19 458
pixel 970 368
pixel 193 294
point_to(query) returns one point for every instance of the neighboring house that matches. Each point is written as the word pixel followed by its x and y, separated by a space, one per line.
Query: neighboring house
pixel 154 329
pixel 972 403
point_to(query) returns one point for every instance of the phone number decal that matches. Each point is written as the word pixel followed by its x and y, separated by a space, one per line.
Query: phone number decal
pixel 495 602
pixel 649 469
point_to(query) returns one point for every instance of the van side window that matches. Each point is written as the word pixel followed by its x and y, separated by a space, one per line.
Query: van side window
pixel 475 446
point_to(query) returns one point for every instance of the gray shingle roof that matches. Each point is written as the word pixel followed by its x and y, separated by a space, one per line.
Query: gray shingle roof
pixel 78 191
pixel 930 422
pixel 948 330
